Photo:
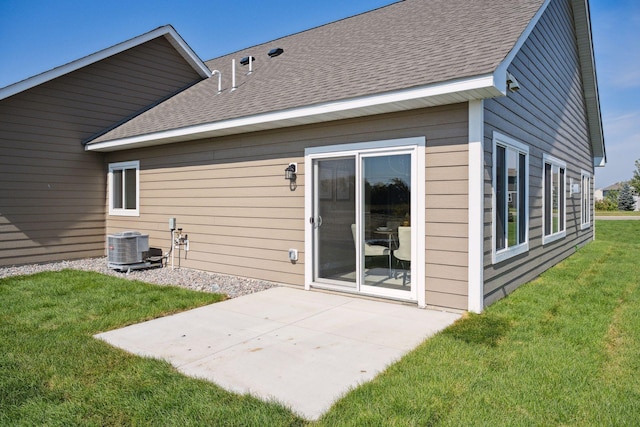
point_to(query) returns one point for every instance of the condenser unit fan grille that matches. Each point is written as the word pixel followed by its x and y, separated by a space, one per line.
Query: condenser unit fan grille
pixel 129 247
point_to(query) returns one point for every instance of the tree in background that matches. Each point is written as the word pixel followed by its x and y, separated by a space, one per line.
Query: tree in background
pixel 625 198
pixel 606 205
pixel 635 181
pixel 612 197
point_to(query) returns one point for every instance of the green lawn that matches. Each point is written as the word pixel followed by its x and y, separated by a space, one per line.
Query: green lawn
pixel 562 350
pixel 52 372
pixel 617 213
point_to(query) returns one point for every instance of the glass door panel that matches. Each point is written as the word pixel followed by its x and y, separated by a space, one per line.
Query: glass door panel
pixel 386 222
pixel 362 208
pixel 334 221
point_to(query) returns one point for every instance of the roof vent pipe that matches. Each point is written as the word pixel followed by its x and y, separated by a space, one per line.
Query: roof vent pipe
pixel 233 75
pixel 219 79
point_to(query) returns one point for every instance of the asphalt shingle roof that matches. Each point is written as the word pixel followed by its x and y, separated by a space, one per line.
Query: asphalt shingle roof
pixel 407 44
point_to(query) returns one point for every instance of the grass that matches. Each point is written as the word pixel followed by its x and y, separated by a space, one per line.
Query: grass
pixel 617 213
pixel 52 372
pixel 562 350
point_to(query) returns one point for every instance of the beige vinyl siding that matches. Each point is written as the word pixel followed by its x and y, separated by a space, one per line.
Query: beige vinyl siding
pixel 230 196
pixel 447 216
pixel 52 192
pixel 548 114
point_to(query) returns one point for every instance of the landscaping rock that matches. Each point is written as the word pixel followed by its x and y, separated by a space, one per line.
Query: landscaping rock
pixel 232 286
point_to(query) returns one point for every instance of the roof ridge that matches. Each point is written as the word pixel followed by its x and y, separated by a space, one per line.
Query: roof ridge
pixel 395 2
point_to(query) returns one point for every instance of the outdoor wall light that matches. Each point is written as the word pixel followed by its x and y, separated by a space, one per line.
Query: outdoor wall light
pixel 512 83
pixel 290 172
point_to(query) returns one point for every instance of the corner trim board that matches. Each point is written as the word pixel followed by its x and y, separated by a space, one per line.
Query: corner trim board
pixel 476 207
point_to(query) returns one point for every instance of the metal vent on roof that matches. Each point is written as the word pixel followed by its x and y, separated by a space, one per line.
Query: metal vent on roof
pixel 245 60
pixel 275 52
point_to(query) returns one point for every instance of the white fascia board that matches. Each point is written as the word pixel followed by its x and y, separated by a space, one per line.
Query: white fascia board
pixel 187 53
pixel 391 101
pixel 587 61
pixel 167 31
pixel 501 71
pixel 582 18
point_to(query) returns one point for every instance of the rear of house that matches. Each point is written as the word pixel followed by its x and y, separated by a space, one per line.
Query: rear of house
pixel 446 183
pixel 52 190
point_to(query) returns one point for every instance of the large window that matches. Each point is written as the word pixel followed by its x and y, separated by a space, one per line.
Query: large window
pixel 510 202
pixel 554 202
pixel 585 216
pixel 123 188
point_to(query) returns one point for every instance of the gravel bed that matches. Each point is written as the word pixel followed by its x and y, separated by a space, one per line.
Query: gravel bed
pixel 196 280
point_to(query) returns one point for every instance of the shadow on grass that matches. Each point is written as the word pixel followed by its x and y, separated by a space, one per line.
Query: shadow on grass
pixel 482 329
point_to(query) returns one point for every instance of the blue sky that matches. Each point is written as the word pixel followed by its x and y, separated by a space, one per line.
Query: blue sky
pixel 37 35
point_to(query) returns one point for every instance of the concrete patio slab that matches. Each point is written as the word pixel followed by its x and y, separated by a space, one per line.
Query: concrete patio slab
pixel 303 349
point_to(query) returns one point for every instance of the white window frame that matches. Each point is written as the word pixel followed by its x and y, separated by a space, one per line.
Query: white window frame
pixel 585 200
pixel 552 161
pixel 509 252
pixel 123 166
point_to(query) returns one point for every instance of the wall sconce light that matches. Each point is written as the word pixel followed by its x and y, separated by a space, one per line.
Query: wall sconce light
pixel 512 83
pixel 290 171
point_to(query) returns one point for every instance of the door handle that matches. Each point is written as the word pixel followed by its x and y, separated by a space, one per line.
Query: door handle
pixel 315 223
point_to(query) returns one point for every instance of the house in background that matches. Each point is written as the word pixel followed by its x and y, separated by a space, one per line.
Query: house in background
pixel 439 153
pixel 611 188
pixel 614 189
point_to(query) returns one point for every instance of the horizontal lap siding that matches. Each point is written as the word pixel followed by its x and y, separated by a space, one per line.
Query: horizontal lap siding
pixel 52 192
pixel 446 230
pixel 547 114
pixel 230 196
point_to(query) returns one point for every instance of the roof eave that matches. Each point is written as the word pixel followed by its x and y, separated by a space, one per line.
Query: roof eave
pixel 462 90
pixel 587 66
pixel 167 31
pixel 590 80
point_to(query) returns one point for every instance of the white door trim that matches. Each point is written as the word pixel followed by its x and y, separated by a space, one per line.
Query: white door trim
pixel 417 144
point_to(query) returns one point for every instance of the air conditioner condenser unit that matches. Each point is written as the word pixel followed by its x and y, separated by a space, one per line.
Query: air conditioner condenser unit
pixel 127 250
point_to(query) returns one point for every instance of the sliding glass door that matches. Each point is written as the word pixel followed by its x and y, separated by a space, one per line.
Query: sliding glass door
pixel 363 205
pixel 333 221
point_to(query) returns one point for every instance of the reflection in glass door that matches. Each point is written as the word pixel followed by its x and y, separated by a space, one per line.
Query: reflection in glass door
pixel 386 221
pixel 334 221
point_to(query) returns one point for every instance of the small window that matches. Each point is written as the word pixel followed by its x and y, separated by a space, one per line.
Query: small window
pixel 123 188
pixel 511 197
pixel 554 202
pixel 585 216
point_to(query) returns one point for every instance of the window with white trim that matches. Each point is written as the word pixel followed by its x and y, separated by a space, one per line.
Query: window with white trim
pixel 124 185
pixel 585 184
pixel 554 200
pixel 511 197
